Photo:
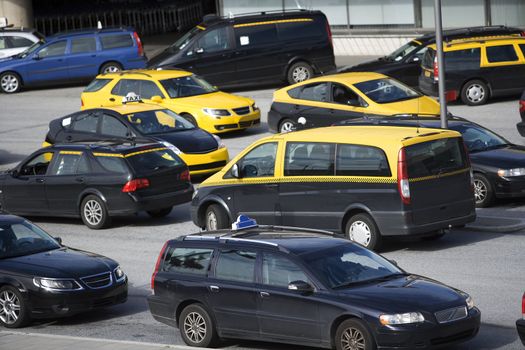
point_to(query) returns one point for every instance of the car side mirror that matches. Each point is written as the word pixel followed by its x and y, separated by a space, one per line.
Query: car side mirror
pixel 199 50
pixel 235 171
pixel 156 99
pixel 36 57
pixel 58 239
pixel 300 286
pixel 14 172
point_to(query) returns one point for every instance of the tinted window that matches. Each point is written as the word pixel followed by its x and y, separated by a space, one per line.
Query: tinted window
pixel 38 165
pixel 462 59
pixel 435 157
pixel 354 160
pixel 343 95
pixel 86 123
pixel 279 271
pixel 295 92
pixel 260 161
pixel 501 53
pixel 112 164
pixel 23 238
pixel 315 92
pixel 255 35
pixel 477 138
pixel 153 160
pixel 113 127
pixel 54 49
pixel 96 85
pixel 160 121
pixel 187 260
pixel 386 90
pixel 3 43
pixel 19 41
pixel 236 265
pixel 66 163
pixel 297 30
pixel 187 86
pixel 116 41
pixel 81 45
pixel 144 88
pixel 148 89
pixel 214 41
pixel 522 48
pixel 428 58
pixel 309 158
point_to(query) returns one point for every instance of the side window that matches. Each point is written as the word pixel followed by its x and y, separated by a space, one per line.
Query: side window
pixel 295 92
pixel 308 28
pixel 344 95
pixel 126 86
pixel 116 41
pixel 3 42
pixel 315 92
pixel 192 261
pixel 112 164
pixel 82 45
pixel 503 53
pixel 522 48
pixel 37 165
pixel 255 35
pixel 355 160
pixel 214 41
pixel 309 158
pixel 69 163
pixel 148 89
pixel 54 49
pixel 460 59
pixel 96 85
pixel 421 53
pixel 236 265
pixel 279 271
pixel 18 41
pixel 86 123
pixel 112 126
pixel 260 161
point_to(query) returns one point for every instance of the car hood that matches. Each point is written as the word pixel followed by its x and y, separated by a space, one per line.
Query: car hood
pixel 162 58
pixel 369 66
pixel 189 141
pixel 512 156
pixel 420 105
pixel 9 62
pixel 405 294
pixel 219 100
pixel 60 263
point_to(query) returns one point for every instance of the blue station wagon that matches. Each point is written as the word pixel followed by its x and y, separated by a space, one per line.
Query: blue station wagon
pixel 72 57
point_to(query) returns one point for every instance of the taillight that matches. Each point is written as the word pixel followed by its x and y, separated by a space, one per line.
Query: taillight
pixel 436 69
pixel 329 31
pixel 403 184
pixel 135 184
pixel 157 265
pixel 522 105
pixel 185 176
pixel 139 44
pixel 522 34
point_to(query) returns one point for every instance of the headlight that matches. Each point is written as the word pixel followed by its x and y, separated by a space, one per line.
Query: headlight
pixel 56 284
pixel 216 112
pixel 511 172
pixel 406 318
pixel 219 141
pixel 254 107
pixel 469 301
pixel 119 274
pixel 171 147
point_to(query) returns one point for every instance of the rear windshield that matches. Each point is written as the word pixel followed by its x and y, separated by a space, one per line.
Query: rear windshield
pixel 386 90
pixel 116 41
pixel 96 85
pixel 435 157
pixel 153 159
pixel 428 59
pixel 403 51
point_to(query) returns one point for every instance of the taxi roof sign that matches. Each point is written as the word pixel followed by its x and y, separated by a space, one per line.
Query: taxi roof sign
pixel 131 97
pixel 243 222
pixel 3 22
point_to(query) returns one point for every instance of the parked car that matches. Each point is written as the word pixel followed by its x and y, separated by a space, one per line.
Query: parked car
pixel 16 40
pixel 72 57
pixel 96 182
pixel 41 278
pixel 203 152
pixel 247 49
pixel 521 125
pixel 404 64
pixel 334 98
pixel 520 324
pixel 365 182
pixel 477 69
pixel 294 285
pixel 498 164
pixel 183 92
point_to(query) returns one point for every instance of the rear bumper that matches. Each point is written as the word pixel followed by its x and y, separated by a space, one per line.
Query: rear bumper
pixel 162 311
pixel 520 326
pixel 137 203
pixel 521 128
pixel 428 86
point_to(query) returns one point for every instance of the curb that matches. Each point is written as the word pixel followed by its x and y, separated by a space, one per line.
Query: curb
pixel 505 225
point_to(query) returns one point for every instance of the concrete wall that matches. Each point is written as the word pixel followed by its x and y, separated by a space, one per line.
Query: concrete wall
pixel 18 12
pixel 368 45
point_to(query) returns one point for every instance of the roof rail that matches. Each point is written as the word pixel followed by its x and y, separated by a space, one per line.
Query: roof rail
pixel 247 14
pixel 91 30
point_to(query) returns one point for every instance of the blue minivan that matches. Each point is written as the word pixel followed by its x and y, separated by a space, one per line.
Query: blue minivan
pixel 72 57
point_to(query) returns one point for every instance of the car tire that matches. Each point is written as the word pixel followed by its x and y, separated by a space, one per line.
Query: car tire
pixel 14 312
pixel 110 67
pixel 362 229
pixel 160 213
pixel 353 334
pixel 94 213
pixel 287 125
pixel 299 72
pixel 483 192
pixel 197 327
pixel 10 82
pixel 475 93
pixel 189 118
pixel 216 218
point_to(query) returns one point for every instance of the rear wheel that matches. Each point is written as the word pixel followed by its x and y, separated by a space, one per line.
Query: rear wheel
pixel 13 308
pixel 10 82
pixel 483 193
pixel 189 118
pixel 475 93
pixel 160 213
pixel 94 212
pixel 216 218
pixel 287 125
pixel 299 71
pixel 196 327
pixel 362 229
pixel 353 335
pixel 110 67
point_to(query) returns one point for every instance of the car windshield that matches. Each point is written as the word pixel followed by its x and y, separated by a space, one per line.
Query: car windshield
pixel 403 51
pixel 31 49
pixel 348 264
pixel 23 238
pixel 187 86
pixel 184 40
pixel 479 139
pixel 386 90
pixel 160 121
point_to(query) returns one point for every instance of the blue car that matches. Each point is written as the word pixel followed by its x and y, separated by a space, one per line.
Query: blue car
pixel 72 57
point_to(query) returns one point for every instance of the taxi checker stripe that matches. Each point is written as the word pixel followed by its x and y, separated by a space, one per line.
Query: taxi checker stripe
pixel 201 27
pixel 273 22
pixel 424 178
pixel 145 151
pixel 97 154
pixel 71 152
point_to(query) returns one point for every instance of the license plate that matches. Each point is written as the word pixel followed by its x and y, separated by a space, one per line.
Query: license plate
pixel 427 74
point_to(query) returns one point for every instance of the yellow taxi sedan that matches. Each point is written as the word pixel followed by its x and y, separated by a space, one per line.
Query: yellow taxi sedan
pixel 183 92
pixel 334 98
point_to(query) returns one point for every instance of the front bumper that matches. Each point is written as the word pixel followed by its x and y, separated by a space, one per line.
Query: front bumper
pixel 206 163
pixel 520 326
pixel 510 187
pixel 230 123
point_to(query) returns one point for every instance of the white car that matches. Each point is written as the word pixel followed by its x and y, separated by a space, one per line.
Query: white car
pixel 15 40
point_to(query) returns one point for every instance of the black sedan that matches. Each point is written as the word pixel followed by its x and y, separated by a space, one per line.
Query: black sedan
pixel 41 278
pixel 498 165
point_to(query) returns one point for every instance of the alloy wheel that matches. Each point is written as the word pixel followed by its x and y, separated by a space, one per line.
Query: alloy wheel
pixel 287 126
pixel 475 93
pixel 93 212
pixel 195 327
pixel 352 339
pixel 9 83
pixel 111 69
pixel 300 74
pixel 360 232
pixel 480 191
pixel 211 221
pixel 9 307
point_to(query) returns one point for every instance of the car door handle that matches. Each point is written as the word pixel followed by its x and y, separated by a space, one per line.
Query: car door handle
pixel 264 294
pixel 69 138
pixel 214 289
pixel 112 99
pixel 40 181
pixel 79 180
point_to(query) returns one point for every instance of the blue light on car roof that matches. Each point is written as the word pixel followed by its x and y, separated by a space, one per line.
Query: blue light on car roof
pixel 243 222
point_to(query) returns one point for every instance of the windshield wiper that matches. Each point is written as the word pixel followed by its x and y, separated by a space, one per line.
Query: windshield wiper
pixel 375 279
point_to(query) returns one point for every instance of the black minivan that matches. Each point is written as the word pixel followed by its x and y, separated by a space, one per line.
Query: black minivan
pixel 257 48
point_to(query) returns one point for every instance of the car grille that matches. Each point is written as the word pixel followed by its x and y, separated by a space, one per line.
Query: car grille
pixel 453 314
pixel 242 110
pixel 213 165
pixel 101 280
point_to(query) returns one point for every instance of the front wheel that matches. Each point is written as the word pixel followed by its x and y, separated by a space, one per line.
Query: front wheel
pixel 94 212
pixel 362 229
pixel 10 83
pixel 353 335
pixel 196 327
pixel 483 193
pixel 475 93
pixel 287 125
pixel 216 218
pixel 299 72
pixel 13 308
pixel 110 67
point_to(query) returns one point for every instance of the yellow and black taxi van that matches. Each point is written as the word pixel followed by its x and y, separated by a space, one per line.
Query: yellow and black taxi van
pixel 364 181
pixel 477 68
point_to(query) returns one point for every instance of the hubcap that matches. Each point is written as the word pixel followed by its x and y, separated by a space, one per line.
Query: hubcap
pixel 360 232
pixel 211 221
pixel 93 212
pixel 111 69
pixel 9 307
pixel 9 83
pixel 195 327
pixel 475 93
pixel 300 74
pixel 480 191
pixel 287 127
pixel 352 339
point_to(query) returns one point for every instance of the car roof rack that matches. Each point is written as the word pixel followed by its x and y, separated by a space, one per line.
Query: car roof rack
pixel 92 31
pixel 211 18
pixel 463 33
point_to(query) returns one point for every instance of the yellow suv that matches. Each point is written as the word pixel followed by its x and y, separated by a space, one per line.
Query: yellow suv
pixel 182 92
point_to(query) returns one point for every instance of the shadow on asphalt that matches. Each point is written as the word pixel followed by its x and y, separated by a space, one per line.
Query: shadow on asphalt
pixel 261 129
pixel 8 158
